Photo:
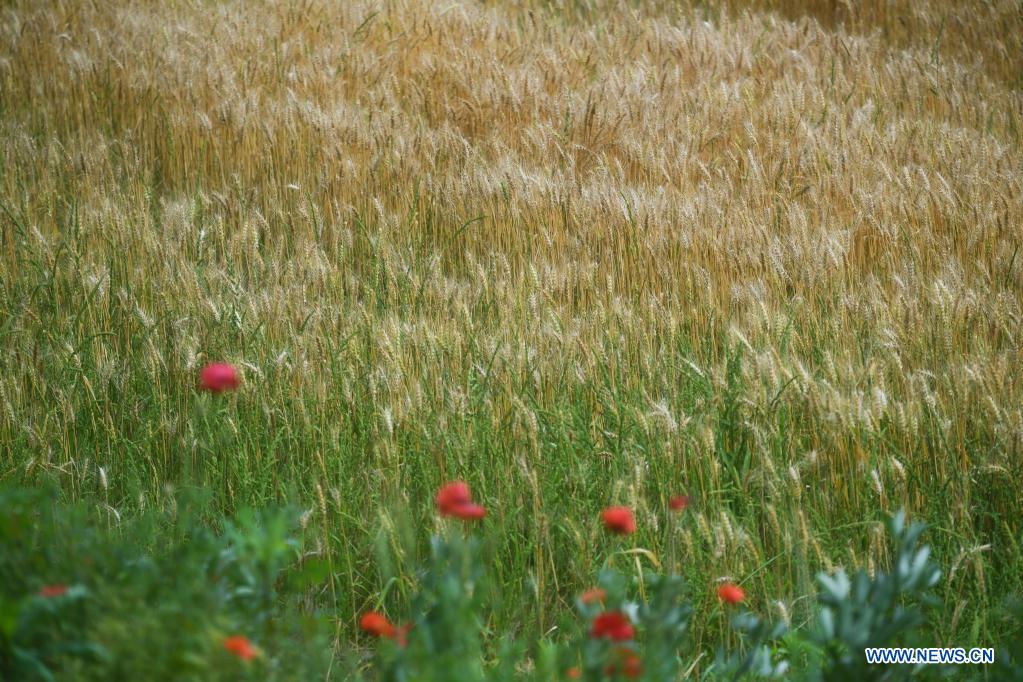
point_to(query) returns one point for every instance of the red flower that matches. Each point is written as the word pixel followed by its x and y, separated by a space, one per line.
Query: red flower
pixel 730 593
pixel 613 625
pixel 573 673
pixel 632 667
pixel 219 377
pixel 377 624
pixel 469 512
pixel 619 520
pixel 452 495
pixel 628 664
pixel 240 647
pixel 50 591
pixel 401 635
pixel 594 595
pixel 454 499
pixel 679 503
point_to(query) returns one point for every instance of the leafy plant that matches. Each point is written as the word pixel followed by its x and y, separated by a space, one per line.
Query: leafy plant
pixel 164 596
pixel 167 596
pixel 882 610
pixel 761 638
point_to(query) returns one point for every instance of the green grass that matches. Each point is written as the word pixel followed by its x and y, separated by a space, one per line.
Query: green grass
pixel 545 464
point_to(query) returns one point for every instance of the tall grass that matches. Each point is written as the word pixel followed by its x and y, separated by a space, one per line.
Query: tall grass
pixel 576 253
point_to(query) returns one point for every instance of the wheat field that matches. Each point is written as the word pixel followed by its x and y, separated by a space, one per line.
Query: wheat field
pixel 577 253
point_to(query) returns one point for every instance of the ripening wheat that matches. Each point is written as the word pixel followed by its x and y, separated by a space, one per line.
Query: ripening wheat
pixel 578 254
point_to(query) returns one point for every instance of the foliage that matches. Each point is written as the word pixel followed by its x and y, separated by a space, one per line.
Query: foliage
pixel 154 598
pixel 883 610
pixel 168 597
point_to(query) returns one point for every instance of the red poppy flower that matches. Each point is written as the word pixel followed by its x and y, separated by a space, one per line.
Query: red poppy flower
pixel 679 503
pixel 376 624
pixel 730 593
pixel 453 495
pixel 219 377
pixel 454 499
pixel 613 625
pixel 592 596
pixel 401 635
pixel 628 664
pixel 241 647
pixel 469 512
pixel 50 591
pixel 573 673
pixel 632 667
pixel 619 520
